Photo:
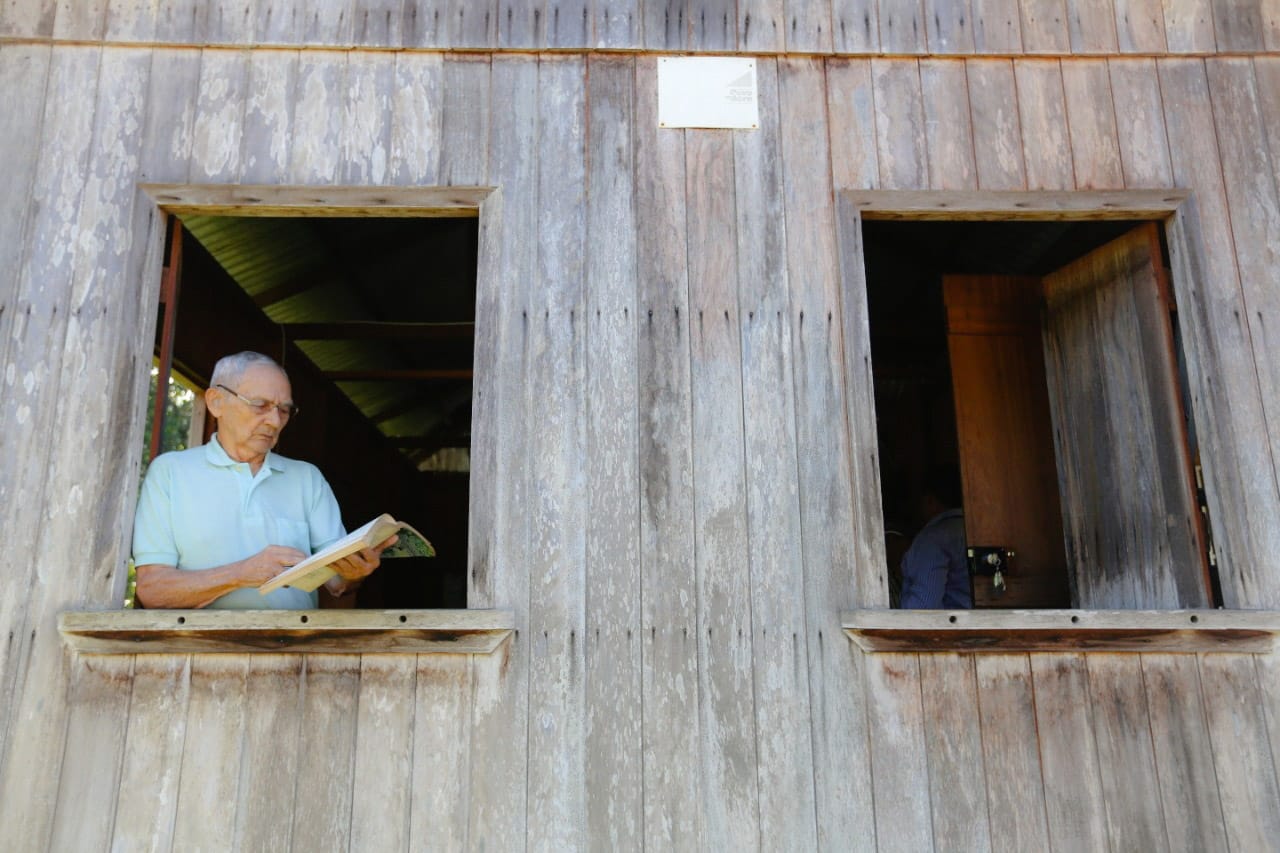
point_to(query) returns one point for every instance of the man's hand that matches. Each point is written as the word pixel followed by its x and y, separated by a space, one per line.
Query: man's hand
pixel 356 567
pixel 267 563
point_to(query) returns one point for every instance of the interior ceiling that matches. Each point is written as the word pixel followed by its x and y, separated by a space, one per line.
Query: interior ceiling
pixel 384 307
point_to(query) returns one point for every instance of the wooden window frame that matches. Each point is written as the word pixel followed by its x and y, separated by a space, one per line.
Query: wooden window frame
pixel 876 628
pixel 470 631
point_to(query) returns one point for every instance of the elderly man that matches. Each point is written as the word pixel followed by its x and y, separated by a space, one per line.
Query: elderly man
pixel 215 522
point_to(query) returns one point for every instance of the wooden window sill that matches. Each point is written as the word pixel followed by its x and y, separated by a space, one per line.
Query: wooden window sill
pixel 275 631
pixel 1248 631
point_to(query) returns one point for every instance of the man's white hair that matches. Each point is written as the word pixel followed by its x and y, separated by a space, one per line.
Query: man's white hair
pixel 230 369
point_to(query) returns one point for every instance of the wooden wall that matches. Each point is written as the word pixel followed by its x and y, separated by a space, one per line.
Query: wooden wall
pixel 682 489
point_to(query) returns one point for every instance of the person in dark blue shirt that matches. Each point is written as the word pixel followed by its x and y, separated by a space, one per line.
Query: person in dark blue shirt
pixel 935 570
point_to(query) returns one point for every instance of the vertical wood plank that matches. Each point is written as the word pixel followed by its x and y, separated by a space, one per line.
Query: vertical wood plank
pixel 27 18
pixel 950 27
pixel 727 752
pixel 327 22
pixel 1188 26
pixel 1043 113
pixel 228 23
pixel 315 155
pixel 1225 397
pixel 839 545
pixel 1074 808
pixel 463 155
pixel 499 548
pixel 672 732
pixel 380 814
pixel 569 23
pixel 1238 27
pixel 899 763
pixel 212 751
pixel 1140 26
pixel 268 116
pixel 82 20
pixel 1184 756
pixel 1044 27
pixel 664 25
pixel 902 28
pixel 519 25
pixel 98 696
pixel 1091 125
pixel 900 130
pixel 278 21
pixel 1271 24
pixel 426 23
pixel 997 26
pixel 474 24
pixel 146 806
pixel 128 20
pixel 1092 25
pixel 1015 786
pixel 378 23
pixel 219 124
pixel 325 781
pixel 776 571
pixel 416 123
pixel 1130 787
pixel 618 24
pixel 441 758
pixel 1268 667
pixel 712 25
pixel 855 26
pixel 1245 767
pixel 272 740
pixel 366 136
pixel 948 134
pixel 761 25
pixel 615 814
pixel 1144 149
pixel 851 118
pixel 1267 71
pixel 997 126
pixel 808 26
pixel 558 505
pixel 953 746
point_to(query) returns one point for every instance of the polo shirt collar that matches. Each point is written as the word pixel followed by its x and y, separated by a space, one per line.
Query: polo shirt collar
pixel 216 455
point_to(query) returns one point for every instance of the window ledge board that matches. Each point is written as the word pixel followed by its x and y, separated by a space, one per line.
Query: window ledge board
pixel 1248 631
pixel 311 631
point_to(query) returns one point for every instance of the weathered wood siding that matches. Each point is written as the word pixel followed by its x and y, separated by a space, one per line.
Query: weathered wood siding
pixel 676 481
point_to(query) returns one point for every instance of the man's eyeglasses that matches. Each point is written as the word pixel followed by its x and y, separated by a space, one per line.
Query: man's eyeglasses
pixel 261 407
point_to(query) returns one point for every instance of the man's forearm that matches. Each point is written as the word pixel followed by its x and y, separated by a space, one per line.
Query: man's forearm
pixel 168 587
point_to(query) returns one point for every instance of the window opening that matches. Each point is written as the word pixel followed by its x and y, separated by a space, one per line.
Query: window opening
pixel 980 366
pixel 374 320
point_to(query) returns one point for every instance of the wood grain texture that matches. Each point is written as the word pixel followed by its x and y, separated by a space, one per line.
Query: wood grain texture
pixel 1122 731
pixel 997 26
pixel 761 25
pixel 1091 124
pixel 1215 320
pixel 948 133
pixel 80 21
pixel 441 753
pixel 665 25
pixel 808 26
pixel 129 20
pixel 1015 786
pixel 1188 26
pixel 464 150
pixel 28 18
pixel 851 124
pixel 146 806
pixel 219 117
pixel 618 24
pixel 672 727
pixel 1183 753
pixel 322 811
pixel 1139 117
pixel 555 388
pixel 1044 26
pixel 1246 770
pixel 614 630
pixel 416 120
pixel 1238 27
pixel 899 764
pixel 1075 808
pixel 88 788
pixel 1140 26
pixel 773 528
pixel 839 543
pixel 1042 110
pixel 997 126
pixel 855 26
pixel 727 760
pixel 902 28
pixel 315 155
pixel 712 25
pixel 1092 25
pixel 951 27
pixel 273 740
pixel 268 116
pixel 569 23
pixel 900 130
pixel 380 813
pixel 326 22
pixel 953 746
pixel 366 119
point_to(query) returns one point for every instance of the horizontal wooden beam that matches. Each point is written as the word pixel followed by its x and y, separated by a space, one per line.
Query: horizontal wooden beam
pixel 311 631
pixel 361 330
pixel 269 200
pixel 1251 631
pixel 974 205
pixel 400 375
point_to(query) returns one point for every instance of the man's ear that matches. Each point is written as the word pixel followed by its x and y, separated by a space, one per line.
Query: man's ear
pixel 213 401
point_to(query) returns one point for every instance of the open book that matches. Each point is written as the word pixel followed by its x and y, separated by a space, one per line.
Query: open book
pixel 316 569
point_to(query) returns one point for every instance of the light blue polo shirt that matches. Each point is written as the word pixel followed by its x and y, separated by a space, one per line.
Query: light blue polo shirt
pixel 199 508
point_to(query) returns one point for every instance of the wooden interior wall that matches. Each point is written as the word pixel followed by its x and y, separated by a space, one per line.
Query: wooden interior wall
pixel 683 484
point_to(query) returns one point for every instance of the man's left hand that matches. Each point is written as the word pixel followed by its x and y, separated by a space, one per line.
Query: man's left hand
pixel 356 567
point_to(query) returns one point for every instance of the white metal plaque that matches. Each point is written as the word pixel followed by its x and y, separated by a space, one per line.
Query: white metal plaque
pixel 707 91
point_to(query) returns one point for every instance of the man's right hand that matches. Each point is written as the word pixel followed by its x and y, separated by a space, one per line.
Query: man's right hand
pixel 267 563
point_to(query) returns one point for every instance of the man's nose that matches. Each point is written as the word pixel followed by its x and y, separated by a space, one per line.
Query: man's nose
pixel 274 416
